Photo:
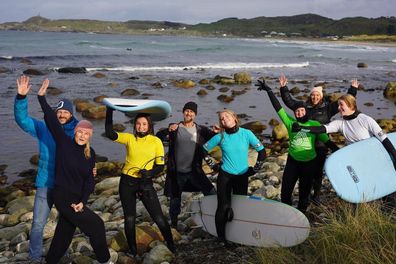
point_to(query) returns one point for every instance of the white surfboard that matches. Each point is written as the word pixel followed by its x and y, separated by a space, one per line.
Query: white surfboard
pixel 257 221
pixel 157 109
pixel 363 171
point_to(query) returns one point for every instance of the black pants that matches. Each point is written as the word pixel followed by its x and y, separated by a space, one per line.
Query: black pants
pixel 318 176
pixel 131 187
pixel 87 221
pixel 184 179
pixel 227 183
pixel 303 171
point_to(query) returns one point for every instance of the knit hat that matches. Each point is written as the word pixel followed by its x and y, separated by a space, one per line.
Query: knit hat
pixel 299 104
pixel 192 106
pixel 64 104
pixel 318 89
pixel 84 124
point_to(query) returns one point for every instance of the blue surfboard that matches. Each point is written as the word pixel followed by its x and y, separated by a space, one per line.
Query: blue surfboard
pixel 363 171
pixel 157 109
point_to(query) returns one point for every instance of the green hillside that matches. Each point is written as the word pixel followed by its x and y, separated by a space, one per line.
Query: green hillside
pixel 306 25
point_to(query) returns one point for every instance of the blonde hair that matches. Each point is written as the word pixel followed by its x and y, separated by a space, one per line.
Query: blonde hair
pixel 87 150
pixel 349 100
pixel 230 112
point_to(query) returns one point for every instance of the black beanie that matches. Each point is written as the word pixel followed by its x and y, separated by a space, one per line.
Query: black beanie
pixel 192 106
pixel 299 104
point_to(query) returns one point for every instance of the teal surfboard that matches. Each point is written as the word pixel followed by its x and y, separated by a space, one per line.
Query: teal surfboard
pixel 157 109
pixel 363 171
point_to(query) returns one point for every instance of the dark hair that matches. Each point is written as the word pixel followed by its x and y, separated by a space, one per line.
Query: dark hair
pixel 149 121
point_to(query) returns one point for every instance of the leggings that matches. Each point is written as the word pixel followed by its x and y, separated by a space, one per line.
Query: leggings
pixel 318 176
pixel 129 188
pixel 303 171
pixel 87 221
pixel 227 183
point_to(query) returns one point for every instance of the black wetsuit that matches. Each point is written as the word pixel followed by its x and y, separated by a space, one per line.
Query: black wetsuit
pixel 74 183
pixel 131 187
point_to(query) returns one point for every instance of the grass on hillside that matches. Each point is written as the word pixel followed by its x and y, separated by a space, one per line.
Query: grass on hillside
pixel 362 234
pixel 371 38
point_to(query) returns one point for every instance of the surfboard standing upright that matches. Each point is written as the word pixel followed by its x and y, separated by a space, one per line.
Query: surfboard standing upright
pixel 157 109
pixel 257 221
pixel 362 171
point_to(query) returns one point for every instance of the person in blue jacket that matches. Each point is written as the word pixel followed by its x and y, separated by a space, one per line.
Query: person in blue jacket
pixel 46 167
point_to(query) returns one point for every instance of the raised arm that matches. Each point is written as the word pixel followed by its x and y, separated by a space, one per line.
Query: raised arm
pixel 262 86
pixel 352 91
pixel 285 93
pixel 49 115
pixel 21 115
pixel 110 133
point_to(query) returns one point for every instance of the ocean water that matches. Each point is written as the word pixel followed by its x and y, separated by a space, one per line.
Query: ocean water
pixel 151 59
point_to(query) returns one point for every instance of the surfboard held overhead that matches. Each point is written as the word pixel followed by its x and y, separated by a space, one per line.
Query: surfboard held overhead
pixel 158 109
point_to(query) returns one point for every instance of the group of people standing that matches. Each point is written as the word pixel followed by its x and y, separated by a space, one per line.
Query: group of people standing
pixel 67 162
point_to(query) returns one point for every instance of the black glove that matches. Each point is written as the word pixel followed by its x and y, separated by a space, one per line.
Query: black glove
pixel 296 127
pixel 258 166
pixel 262 86
pixel 211 163
pixel 145 174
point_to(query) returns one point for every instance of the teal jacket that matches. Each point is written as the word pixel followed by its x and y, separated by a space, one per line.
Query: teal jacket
pixel 38 129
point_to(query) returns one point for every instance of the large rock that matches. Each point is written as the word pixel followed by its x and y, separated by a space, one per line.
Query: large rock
pixel 72 70
pixel 33 72
pixel 242 78
pixel 279 132
pixel 256 126
pixel 223 80
pixel 20 203
pixel 108 183
pixel 130 92
pixel 390 90
pixel 225 98
pixel 159 254
pixel 83 104
pixel 8 233
pixel 97 112
pixel 184 84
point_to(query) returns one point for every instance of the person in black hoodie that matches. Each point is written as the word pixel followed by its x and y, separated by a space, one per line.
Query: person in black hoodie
pixel 318 108
pixel 74 182
pixel 184 165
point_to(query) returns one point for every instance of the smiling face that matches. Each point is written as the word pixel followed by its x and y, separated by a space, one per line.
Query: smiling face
pixel 63 116
pixel 315 97
pixel 227 120
pixel 300 112
pixel 82 135
pixel 141 125
pixel 189 116
pixel 344 109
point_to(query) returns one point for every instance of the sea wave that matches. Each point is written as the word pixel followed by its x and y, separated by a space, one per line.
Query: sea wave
pixel 218 66
pixel 6 57
pixel 394 61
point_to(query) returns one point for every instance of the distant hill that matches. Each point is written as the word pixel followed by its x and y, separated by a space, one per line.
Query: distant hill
pixel 306 25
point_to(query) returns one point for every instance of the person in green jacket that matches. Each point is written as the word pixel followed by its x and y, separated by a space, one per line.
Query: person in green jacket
pixel 300 163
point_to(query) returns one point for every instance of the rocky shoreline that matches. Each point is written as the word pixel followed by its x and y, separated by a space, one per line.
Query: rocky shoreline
pixel 193 245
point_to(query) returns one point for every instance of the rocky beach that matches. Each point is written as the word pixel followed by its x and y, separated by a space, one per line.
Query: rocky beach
pixel 215 73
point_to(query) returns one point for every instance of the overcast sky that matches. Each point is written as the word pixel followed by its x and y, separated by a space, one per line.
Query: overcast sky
pixel 189 11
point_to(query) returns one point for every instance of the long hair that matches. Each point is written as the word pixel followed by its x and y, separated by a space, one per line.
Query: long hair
pixel 87 150
pixel 149 121
pixel 232 113
pixel 349 100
